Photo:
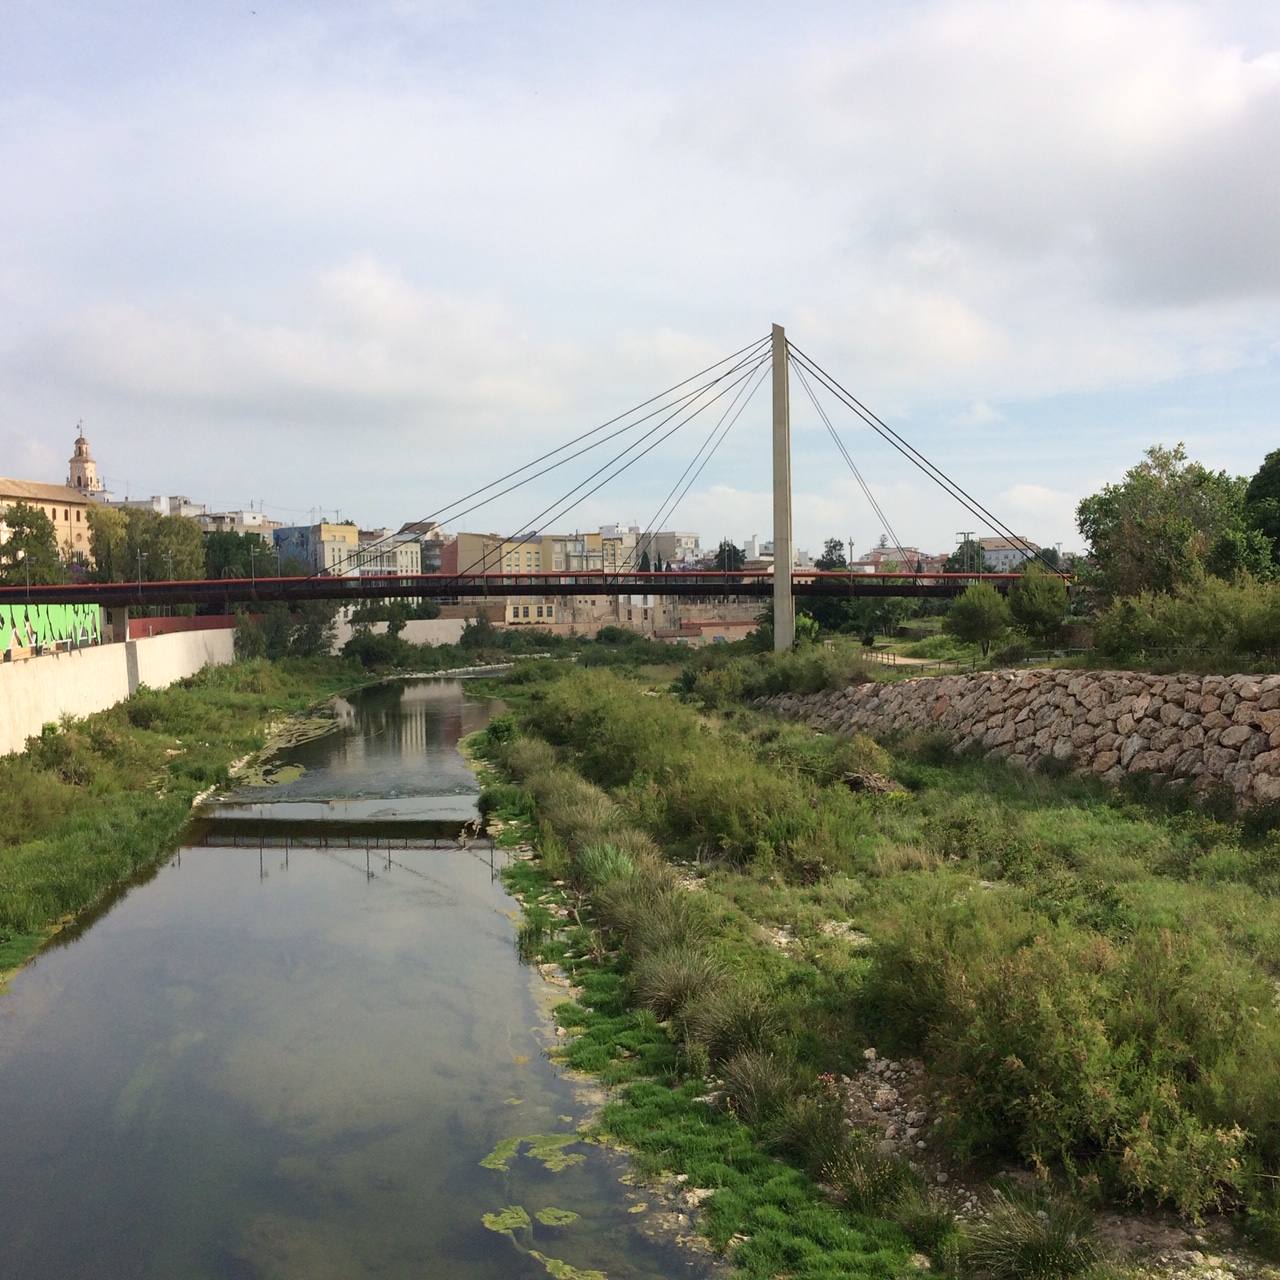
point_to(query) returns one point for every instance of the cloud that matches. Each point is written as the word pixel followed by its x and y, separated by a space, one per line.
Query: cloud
pixel 388 252
pixel 978 414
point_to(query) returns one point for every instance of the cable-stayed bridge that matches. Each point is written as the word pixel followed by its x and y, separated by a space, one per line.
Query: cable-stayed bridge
pixel 722 391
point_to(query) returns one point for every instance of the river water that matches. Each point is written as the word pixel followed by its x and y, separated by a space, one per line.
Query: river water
pixel 288 1053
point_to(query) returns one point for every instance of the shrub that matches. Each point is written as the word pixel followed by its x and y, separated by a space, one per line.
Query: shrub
pixel 524 756
pixel 1032 1240
pixel 758 1084
pixel 650 912
pixel 728 1019
pixel 572 806
pixel 665 981
pixel 867 1181
pixel 503 797
pixel 810 1130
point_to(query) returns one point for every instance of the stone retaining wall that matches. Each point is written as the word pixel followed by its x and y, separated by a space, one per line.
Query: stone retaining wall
pixel 1213 731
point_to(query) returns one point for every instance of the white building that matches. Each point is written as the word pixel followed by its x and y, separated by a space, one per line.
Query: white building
pixel 1003 555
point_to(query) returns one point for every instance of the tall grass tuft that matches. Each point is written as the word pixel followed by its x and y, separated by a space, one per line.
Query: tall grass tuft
pixel 1031 1240
pixel 666 981
pixel 758 1084
pixel 729 1019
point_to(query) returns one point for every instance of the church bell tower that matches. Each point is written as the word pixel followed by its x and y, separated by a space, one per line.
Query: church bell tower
pixel 83 473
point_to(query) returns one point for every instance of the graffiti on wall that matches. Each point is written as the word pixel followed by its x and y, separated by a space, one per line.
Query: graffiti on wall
pixel 25 625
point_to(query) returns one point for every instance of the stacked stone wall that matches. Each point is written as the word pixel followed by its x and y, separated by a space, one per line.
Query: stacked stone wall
pixel 1211 731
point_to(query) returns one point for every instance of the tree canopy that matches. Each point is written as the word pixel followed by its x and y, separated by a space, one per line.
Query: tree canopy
pixel 832 556
pixel 1038 602
pixel 1169 522
pixel 968 557
pixel 979 616
pixel 130 543
pixel 1262 502
pixel 29 552
pixel 729 557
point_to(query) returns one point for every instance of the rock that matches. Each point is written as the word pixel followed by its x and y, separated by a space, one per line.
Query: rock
pixel 1235 735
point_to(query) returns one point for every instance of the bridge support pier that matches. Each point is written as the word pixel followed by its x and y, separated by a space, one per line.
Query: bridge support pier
pixel 117 629
pixel 784 605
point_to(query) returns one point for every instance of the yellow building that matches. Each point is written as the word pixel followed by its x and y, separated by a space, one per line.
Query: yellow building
pixel 67 508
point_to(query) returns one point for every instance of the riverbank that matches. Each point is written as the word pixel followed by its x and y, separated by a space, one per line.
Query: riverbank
pixel 1030 997
pixel 93 801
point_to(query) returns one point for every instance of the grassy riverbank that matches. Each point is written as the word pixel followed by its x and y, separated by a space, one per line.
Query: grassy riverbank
pixel 93 801
pixel 1090 980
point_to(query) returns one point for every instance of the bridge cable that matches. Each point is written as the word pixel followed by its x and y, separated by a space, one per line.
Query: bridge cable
pixel 748 352
pixel 527 533
pixel 532 529
pixel 918 459
pixel 857 475
pixel 669 511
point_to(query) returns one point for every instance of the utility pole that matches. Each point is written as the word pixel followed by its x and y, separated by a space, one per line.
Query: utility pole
pixel 966 550
pixel 784 605
pixel 851 553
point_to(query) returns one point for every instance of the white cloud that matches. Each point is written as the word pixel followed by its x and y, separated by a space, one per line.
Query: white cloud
pixel 426 237
pixel 978 414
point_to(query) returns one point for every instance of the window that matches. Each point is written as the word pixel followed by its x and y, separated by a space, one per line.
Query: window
pixel 77 516
pixel 66 515
pixel 551 613
pixel 539 611
pixel 526 611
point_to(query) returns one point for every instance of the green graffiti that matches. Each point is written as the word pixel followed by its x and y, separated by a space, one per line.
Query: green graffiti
pixel 24 625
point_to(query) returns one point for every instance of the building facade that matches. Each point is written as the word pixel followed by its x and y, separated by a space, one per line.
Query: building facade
pixel 320 548
pixel 67 509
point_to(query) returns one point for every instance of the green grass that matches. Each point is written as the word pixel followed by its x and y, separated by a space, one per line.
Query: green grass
pixel 92 802
pixel 1089 975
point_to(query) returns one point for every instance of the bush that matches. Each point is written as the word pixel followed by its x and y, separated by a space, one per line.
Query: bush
pixel 1031 1240
pixel 729 1019
pixel 1143 1066
pixel 665 981
pixel 523 757
pixel 502 797
pixel 758 1084
pixel 810 1130
pixel 867 1181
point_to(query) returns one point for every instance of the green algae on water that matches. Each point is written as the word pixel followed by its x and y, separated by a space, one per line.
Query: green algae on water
pixel 512 1218
pixel 558 1269
pixel 553 1217
pixel 548 1148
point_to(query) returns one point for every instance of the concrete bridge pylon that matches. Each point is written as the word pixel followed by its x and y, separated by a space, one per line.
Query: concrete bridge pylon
pixel 784 606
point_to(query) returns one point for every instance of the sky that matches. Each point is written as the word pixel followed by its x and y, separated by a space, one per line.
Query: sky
pixel 364 258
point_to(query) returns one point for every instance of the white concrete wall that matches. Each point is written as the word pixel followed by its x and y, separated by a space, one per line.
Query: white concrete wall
pixel 39 690
pixel 416 631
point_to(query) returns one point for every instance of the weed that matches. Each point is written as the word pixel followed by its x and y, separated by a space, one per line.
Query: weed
pixel 728 1019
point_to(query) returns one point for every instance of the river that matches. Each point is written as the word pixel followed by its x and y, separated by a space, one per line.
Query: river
pixel 290 1052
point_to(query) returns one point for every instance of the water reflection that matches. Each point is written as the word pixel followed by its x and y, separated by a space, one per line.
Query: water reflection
pixel 284 1061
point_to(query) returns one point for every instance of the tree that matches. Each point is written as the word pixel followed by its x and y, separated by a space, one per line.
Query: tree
pixel 236 555
pixel 728 557
pixel 132 543
pixel 968 557
pixel 1038 602
pixel 1168 523
pixel 979 616
pixel 645 564
pixel 832 556
pixel 1262 502
pixel 108 542
pixel 29 552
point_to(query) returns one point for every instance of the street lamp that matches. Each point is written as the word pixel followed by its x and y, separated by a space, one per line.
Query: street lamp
pixel 253 552
pixel 142 555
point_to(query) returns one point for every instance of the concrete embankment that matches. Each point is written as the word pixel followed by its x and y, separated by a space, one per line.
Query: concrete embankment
pixel 39 690
pixel 1211 731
